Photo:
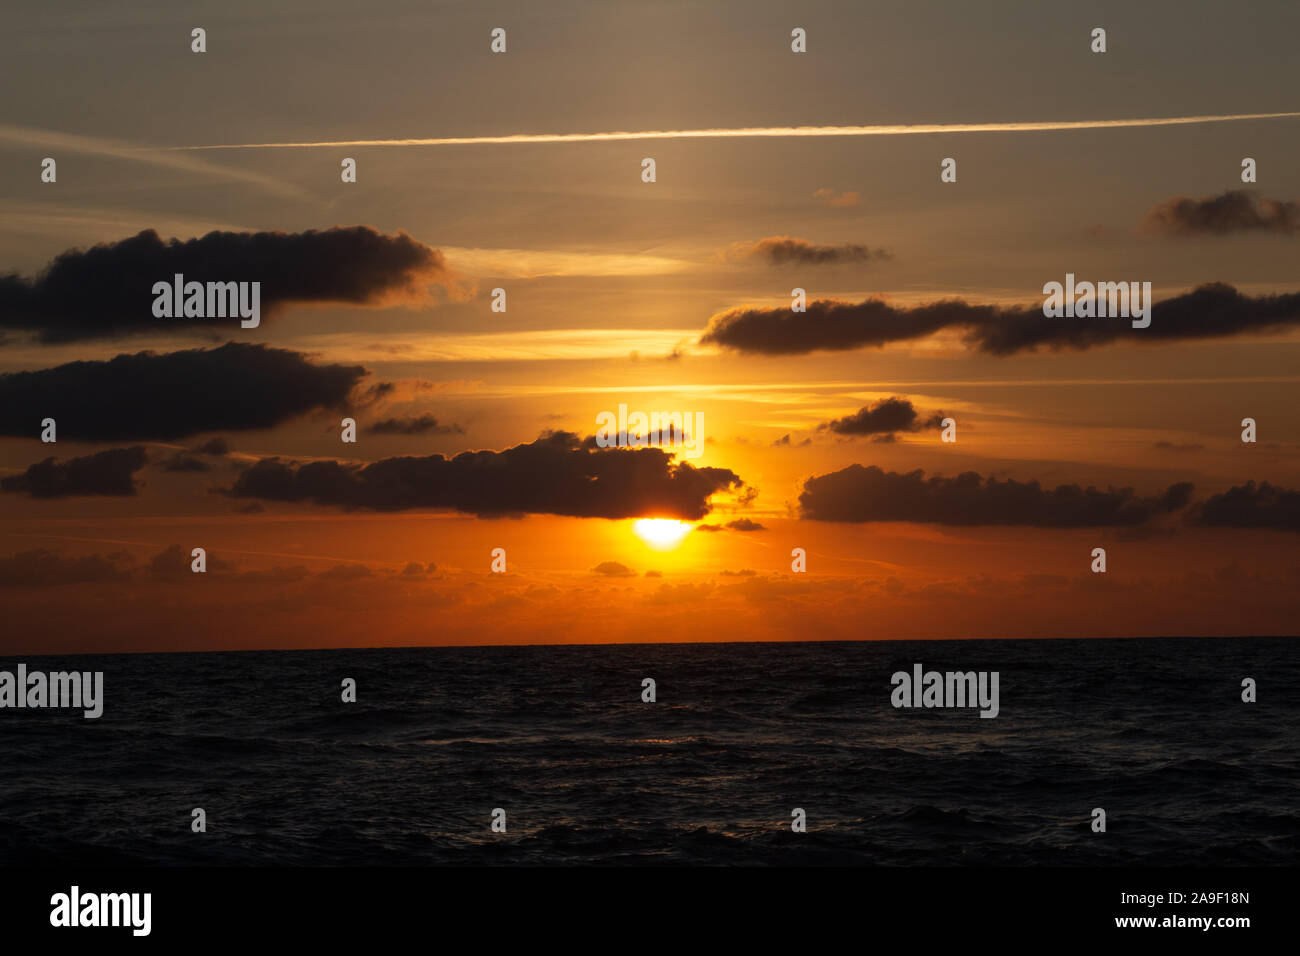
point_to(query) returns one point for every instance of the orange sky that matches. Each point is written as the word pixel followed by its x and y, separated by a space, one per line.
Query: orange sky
pixel 611 284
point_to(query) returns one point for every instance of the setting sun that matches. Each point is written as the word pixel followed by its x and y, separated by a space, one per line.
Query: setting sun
pixel 661 533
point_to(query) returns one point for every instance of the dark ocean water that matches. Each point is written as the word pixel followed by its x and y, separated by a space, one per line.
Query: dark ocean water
pixel 1153 731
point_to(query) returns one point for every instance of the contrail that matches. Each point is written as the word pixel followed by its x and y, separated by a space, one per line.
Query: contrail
pixel 758 131
pixel 116 149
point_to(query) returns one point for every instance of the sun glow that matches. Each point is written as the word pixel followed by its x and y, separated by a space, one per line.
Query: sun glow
pixel 661 533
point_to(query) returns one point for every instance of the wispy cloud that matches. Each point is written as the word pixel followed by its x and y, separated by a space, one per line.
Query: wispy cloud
pixel 166 158
pixel 522 346
pixel 539 263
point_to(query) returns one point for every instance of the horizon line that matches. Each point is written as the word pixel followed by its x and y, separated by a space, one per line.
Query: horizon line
pixel 846 640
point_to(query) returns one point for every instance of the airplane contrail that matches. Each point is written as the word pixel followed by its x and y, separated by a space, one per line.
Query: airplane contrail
pixel 758 131
pixel 157 156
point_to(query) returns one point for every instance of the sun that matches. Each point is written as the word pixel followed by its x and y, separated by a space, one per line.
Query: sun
pixel 661 533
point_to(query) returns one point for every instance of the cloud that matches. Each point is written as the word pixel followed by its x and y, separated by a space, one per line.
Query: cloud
pixel 50 140
pixel 884 417
pixel 214 446
pixel 109 472
pixel 556 474
pixel 183 462
pixel 147 396
pixel 784 250
pixel 739 524
pixel 844 200
pixel 613 569
pixel 177 562
pixel 858 494
pixel 413 425
pixel 1252 506
pixel 106 291
pixel 43 568
pixel 1213 310
pixel 378 397
pixel 1234 211
pixel 1171 446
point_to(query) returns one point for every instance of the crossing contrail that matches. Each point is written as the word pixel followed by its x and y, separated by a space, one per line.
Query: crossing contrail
pixel 156 156
pixel 758 131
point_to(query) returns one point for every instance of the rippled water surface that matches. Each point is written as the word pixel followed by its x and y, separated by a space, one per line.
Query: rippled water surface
pixel 1153 731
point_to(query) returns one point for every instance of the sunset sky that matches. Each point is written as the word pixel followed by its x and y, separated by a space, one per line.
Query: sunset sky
pixel 666 296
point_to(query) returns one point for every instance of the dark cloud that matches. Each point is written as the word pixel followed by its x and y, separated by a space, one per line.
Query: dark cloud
pixel 784 250
pixel 834 326
pixel 414 425
pixel 739 524
pixel 1252 506
pixel 183 462
pixel 214 446
pixel 106 291
pixel 147 396
pixel 858 493
pixel 45 568
pixel 556 474
pixel 109 472
pixel 42 568
pixel 377 393
pixel 1234 211
pixel 885 416
pixel 613 569
pixel 1214 310
pixel 176 562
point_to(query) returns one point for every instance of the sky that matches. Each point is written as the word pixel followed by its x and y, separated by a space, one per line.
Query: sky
pixel 821 429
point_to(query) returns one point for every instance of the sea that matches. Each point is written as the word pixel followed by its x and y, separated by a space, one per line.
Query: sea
pixel 558 746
